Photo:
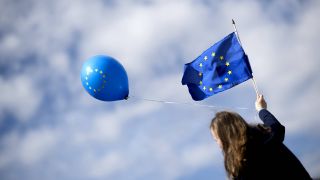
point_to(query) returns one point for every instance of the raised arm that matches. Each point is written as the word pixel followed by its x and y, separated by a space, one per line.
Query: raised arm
pixel 277 130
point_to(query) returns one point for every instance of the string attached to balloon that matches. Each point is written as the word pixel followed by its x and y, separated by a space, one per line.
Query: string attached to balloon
pixel 187 103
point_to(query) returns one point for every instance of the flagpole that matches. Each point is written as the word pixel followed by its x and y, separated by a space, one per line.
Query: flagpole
pixel 236 31
pixel 238 37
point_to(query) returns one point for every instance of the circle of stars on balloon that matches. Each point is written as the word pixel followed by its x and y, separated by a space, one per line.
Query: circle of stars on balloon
pixel 102 75
pixel 226 79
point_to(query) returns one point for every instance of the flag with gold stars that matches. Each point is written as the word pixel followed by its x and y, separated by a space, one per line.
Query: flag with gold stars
pixel 221 67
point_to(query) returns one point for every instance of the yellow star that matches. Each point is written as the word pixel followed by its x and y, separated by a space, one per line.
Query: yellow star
pixel 220 86
pixel 204 88
pixel 101 72
pixel 200 64
pixel 200 82
pixel 96 70
pixel 89 87
pixel 210 89
pixel 104 81
pixel 98 90
pixel 94 90
pixel 229 72
pixel 227 63
pixel 200 74
pixel 213 54
pixel 104 76
pixel 86 77
pixel 221 57
pixel 205 58
pixel 226 79
pixel 87 83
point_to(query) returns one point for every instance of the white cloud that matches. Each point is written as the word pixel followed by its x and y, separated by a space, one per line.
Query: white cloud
pixel 60 63
pixel 19 96
pixel 29 149
pixel 198 156
pixel 107 165
pixel 10 42
pixel 36 146
pixel 311 160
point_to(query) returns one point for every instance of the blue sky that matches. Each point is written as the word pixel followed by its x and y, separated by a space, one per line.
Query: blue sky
pixel 50 128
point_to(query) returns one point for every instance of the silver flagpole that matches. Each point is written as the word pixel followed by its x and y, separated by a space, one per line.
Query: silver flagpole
pixel 238 37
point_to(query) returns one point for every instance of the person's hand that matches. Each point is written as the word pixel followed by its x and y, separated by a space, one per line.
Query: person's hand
pixel 260 103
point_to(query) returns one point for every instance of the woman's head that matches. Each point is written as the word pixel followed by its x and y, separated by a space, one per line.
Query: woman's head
pixel 230 131
pixel 228 127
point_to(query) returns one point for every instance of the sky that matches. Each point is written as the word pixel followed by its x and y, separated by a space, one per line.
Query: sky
pixel 50 128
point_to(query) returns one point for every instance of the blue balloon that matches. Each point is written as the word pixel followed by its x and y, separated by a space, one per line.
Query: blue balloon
pixel 104 78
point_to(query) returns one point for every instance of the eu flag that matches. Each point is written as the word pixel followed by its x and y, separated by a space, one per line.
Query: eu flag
pixel 221 67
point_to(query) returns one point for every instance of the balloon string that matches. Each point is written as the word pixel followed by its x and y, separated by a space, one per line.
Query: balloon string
pixel 186 103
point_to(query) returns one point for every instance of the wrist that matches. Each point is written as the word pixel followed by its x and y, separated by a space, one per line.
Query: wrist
pixel 260 108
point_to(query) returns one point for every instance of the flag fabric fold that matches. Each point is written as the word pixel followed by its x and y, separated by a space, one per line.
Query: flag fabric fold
pixel 220 67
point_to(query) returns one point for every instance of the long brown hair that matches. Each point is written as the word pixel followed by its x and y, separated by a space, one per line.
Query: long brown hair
pixel 231 129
